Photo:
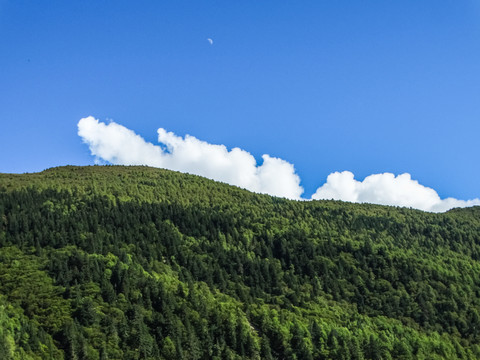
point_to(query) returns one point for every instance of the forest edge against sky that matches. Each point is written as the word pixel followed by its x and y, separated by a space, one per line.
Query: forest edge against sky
pixel 116 144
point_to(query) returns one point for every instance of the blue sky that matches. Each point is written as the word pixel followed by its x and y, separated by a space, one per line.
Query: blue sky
pixel 369 87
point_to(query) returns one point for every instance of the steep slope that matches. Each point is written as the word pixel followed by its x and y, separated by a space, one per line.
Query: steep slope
pixel 142 263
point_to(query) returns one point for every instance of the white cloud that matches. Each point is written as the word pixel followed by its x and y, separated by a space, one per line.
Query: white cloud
pixel 386 189
pixel 116 144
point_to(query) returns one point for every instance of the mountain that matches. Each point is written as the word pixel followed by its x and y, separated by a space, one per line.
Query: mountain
pixel 111 262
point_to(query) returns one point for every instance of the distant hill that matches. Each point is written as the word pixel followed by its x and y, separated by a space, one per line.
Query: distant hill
pixel 112 262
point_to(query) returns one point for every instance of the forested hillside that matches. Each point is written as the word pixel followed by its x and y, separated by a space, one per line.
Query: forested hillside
pixel 110 262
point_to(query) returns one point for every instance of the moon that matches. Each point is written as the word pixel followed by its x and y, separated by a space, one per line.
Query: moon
pixel 210 41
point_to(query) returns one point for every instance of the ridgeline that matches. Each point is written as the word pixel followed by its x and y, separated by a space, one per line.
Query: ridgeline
pixel 112 262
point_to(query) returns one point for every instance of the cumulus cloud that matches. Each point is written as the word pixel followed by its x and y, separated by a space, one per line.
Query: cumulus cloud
pixel 386 189
pixel 116 144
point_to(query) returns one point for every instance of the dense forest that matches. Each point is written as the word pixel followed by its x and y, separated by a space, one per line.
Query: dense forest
pixel 111 262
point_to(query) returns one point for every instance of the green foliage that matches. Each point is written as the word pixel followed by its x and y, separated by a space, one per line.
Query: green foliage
pixel 141 263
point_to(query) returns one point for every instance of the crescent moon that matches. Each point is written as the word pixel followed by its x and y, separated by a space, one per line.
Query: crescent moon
pixel 210 41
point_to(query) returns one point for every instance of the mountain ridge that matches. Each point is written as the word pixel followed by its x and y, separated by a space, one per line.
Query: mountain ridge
pixel 88 169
